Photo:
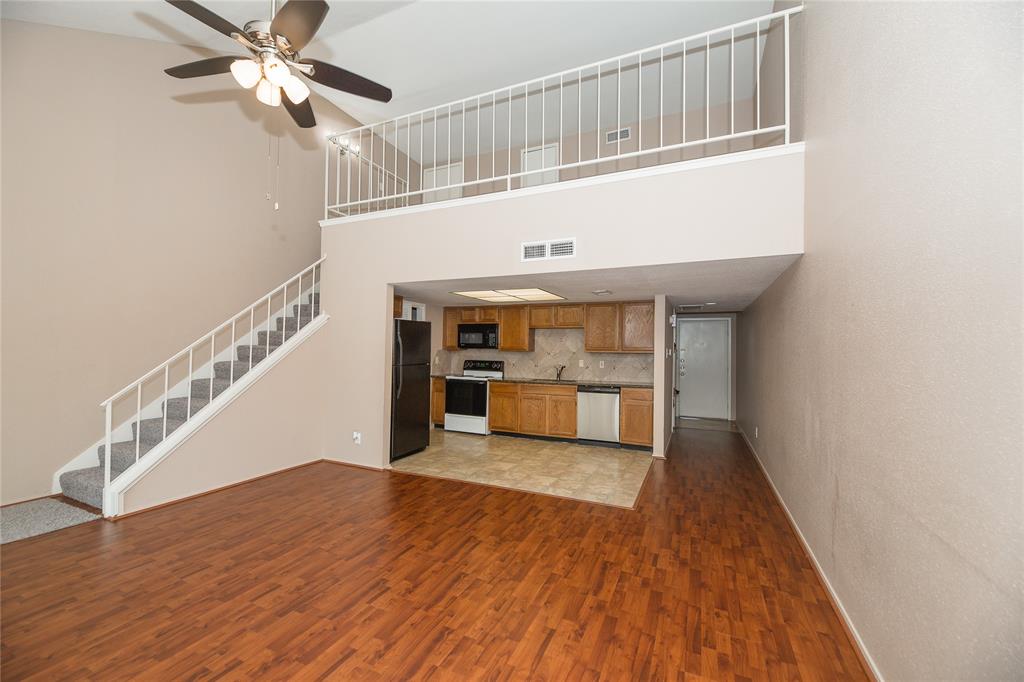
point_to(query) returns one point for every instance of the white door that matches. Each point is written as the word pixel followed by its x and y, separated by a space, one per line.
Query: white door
pixel 704 376
pixel 442 176
pixel 539 158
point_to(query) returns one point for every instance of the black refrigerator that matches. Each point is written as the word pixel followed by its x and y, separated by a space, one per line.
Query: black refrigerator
pixel 410 388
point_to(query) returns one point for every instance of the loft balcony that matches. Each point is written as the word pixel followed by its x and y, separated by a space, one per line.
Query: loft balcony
pixel 721 92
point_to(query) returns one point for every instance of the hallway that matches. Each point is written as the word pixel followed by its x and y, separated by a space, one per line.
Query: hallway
pixel 378 575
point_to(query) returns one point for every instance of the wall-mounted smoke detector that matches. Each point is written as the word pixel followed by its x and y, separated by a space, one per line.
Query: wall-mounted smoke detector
pixel 601 292
pixel 547 250
pixel 616 136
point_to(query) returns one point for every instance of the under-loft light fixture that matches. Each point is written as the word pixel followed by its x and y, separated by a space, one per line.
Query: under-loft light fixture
pixel 511 295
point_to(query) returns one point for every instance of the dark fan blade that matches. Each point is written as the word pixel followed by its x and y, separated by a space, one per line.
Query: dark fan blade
pixel 204 67
pixel 302 113
pixel 197 11
pixel 298 21
pixel 346 81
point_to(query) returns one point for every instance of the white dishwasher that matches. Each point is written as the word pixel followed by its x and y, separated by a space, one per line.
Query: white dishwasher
pixel 597 413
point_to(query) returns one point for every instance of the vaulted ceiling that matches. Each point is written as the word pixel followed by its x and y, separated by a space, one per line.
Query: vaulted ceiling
pixel 427 52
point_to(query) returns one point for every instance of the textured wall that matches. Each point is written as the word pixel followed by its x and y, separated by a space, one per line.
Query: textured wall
pixel 134 219
pixel 554 347
pixel 883 370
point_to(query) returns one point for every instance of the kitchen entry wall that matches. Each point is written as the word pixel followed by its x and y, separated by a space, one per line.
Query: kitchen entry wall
pixel 554 347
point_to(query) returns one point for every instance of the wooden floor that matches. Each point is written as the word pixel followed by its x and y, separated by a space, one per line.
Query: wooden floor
pixel 335 572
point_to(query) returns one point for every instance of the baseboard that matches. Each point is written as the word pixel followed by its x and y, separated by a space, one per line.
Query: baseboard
pixel 837 604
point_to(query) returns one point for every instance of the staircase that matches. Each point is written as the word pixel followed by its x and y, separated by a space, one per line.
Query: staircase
pixel 87 485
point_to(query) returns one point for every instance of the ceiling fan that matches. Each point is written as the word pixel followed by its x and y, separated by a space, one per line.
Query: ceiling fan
pixel 274 46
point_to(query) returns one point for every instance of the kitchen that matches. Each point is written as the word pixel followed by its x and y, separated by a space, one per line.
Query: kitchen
pixel 561 385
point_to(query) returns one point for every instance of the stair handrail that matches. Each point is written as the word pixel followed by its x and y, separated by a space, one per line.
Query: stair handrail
pixel 208 336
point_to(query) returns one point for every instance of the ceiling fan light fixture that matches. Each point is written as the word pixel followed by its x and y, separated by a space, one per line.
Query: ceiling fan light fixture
pixel 268 94
pixel 276 71
pixel 246 72
pixel 296 90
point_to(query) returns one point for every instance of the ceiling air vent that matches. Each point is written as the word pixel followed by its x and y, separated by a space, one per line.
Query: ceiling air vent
pixel 616 135
pixel 546 250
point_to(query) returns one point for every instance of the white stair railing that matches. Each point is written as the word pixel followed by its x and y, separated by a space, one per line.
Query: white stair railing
pixel 244 328
pixel 648 107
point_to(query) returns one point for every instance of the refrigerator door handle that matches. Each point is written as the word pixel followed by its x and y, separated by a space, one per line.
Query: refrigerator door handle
pixel 401 350
pixel 398 394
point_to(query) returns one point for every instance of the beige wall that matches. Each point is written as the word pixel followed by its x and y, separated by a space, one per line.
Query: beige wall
pixel 883 370
pixel 663 367
pixel 134 219
pixel 276 424
pixel 418 247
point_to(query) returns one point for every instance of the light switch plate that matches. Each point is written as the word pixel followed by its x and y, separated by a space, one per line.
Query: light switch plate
pixel 357 437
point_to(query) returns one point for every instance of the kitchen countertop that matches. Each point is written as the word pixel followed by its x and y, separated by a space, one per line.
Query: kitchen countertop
pixel 566 382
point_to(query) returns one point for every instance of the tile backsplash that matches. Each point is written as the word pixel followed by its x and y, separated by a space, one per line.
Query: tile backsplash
pixel 554 347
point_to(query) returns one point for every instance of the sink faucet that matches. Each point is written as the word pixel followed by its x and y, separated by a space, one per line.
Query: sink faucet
pixel 558 372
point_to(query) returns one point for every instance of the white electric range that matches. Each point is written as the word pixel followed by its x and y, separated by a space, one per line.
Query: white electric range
pixel 465 396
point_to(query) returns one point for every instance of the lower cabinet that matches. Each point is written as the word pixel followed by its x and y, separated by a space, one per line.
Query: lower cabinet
pixel 533 409
pixel 503 407
pixel 636 416
pixel 437 400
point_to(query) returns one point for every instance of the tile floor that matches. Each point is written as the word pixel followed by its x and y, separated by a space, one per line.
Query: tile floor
pixel 610 476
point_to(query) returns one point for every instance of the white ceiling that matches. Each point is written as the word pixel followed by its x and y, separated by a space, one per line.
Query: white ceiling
pixel 428 52
pixel 731 284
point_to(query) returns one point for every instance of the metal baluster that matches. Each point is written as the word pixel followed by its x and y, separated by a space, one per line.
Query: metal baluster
pixel 167 371
pixel 508 169
pixel 639 104
pixel 543 123
pixel 661 99
pixel 579 118
pixel 188 405
pixel 683 137
pixel 732 82
pixel 618 108
pixel 478 144
pixel 707 87
pixel 106 449
pixel 231 358
pixel 448 171
pixel 494 133
pixel 597 141
pixel 213 373
pixel 359 171
pixel 138 420
pixel 785 29
pixel 327 180
pixel 561 114
pixel 757 70
pixel 252 333
pixel 268 326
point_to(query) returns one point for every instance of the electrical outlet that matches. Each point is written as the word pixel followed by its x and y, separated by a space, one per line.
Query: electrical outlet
pixel 601 364
pixel 581 363
pixel 357 437
pixel 755 432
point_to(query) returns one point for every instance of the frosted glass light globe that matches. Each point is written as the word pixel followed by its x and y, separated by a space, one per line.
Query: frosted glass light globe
pixel 246 72
pixel 268 94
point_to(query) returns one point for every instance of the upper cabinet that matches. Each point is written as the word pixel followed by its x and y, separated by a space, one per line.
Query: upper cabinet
pixel 398 306
pixel 637 327
pixel 452 317
pixel 514 331
pixel 607 327
pixel 619 327
pixel 560 316
pixel 601 327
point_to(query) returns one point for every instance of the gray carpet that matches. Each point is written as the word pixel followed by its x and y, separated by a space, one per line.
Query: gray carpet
pixel 36 517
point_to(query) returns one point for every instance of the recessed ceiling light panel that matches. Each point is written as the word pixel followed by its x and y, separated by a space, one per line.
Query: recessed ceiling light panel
pixel 510 295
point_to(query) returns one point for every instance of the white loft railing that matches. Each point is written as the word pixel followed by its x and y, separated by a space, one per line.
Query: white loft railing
pixel 697 96
pixel 173 378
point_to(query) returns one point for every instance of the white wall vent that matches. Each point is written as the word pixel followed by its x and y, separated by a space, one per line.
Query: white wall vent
pixel 546 250
pixel 616 135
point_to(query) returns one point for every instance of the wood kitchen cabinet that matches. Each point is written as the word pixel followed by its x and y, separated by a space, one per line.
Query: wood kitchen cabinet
pixel 514 331
pixel 503 407
pixel 562 415
pixel 468 315
pixel 547 410
pixel 601 327
pixel 437 400
pixel 619 327
pixel 399 304
pixel 487 314
pixel 569 315
pixel 637 327
pixel 452 317
pixel 636 416
pixel 533 414
pixel 556 316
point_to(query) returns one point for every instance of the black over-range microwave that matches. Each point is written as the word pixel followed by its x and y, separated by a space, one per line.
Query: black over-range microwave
pixel 478 336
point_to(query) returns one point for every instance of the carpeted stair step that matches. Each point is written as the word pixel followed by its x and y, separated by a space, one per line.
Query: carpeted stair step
pixel 201 387
pixel 276 338
pixel 304 307
pixel 123 454
pixel 84 485
pixel 175 407
pixel 289 324
pixel 258 353
pixel 153 429
pixel 223 369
